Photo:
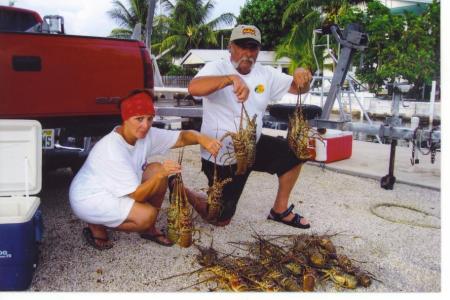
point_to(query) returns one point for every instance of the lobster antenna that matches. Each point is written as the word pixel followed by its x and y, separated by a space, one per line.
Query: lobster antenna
pixel 217 134
pixel 246 113
pixel 299 101
pixel 180 155
pixel 215 168
pixel 242 116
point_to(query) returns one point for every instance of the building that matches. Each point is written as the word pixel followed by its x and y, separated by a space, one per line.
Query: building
pixel 196 58
pixel 400 6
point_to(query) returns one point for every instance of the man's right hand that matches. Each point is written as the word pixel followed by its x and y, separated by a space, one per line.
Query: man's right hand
pixel 240 88
pixel 206 85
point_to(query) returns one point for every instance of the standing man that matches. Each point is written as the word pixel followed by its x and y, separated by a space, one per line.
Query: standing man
pixel 224 85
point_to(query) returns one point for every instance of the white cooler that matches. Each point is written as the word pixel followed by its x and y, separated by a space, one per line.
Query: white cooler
pixel 20 217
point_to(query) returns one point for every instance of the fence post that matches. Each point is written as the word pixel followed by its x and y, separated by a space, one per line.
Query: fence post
pixel 432 99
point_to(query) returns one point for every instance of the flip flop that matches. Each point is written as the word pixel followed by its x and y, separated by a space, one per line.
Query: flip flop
pixel 156 238
pixel 91 240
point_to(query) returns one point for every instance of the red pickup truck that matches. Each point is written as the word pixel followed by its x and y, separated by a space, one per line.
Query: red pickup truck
pixel 70 84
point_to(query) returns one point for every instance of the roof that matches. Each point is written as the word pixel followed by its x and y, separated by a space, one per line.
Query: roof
pixel 399 7
pixel 418 1
pixel 415 9
pixel 196 57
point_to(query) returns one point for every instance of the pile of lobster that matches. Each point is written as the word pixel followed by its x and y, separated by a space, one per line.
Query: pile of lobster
pixel 282 263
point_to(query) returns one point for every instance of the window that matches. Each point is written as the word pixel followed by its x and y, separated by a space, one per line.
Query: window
pixel 11 20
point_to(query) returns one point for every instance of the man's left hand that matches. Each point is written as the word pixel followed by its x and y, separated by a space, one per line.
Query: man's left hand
pixel 302 79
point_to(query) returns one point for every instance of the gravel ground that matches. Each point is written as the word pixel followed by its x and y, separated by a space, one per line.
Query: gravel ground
pixel 404 258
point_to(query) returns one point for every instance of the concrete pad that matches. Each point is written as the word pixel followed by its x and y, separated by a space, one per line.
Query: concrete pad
pixel 371 160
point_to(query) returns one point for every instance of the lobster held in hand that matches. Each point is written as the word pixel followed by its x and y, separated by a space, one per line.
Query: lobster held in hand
pixel 300 133
pixel 214 201
pixel 179 215
pixel 244 143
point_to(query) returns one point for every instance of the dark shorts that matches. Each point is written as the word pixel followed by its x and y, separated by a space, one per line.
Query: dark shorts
pixel 273 156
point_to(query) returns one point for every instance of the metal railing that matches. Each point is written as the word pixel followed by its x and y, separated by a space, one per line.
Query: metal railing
pixel 177 81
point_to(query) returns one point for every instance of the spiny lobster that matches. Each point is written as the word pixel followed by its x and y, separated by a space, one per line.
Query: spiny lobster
pixel 179 216
pixel 244 143
pixel 299 133
pixel 214 202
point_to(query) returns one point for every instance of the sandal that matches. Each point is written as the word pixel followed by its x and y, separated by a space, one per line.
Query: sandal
pixel 156 238
pixel 92 240
pixel 295 222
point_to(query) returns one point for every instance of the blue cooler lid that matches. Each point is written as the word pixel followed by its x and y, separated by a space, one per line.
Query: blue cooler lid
pixel 20 157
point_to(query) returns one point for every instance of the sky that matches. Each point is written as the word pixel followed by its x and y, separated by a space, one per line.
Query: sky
pixel 89 17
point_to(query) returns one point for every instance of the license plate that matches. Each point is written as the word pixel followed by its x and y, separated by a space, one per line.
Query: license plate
pixel 48 138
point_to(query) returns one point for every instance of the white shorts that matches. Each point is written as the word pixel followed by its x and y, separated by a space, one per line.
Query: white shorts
pixel 103 209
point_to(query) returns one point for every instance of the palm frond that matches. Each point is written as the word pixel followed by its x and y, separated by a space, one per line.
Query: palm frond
pixel 167 4
pixel 120 33
pixel 294 10
pixel 180 42
pixel 226 18
pixel 121 14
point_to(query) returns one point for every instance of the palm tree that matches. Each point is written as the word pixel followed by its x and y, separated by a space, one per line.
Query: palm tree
pixel 312 14
pixel 329 10
pixel 128 17
pixel 189 27
pixel 137 13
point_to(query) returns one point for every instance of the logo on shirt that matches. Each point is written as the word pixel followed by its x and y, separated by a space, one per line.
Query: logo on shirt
pixel 259 89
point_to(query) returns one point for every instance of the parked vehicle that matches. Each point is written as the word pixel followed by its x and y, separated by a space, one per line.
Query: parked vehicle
pixel 71 84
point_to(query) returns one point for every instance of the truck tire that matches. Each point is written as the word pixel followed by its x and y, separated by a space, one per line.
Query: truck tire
pixel 76 164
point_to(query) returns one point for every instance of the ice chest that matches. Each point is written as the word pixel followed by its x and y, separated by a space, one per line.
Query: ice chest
pixel 20 217
pixel 337 146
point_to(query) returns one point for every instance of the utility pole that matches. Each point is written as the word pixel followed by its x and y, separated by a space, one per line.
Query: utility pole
pixel 149 23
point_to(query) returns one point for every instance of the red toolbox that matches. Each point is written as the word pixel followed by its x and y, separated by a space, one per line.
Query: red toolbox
pixel 337 146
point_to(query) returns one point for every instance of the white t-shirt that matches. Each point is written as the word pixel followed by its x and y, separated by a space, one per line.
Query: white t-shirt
pixel 113 170
pixel 221 111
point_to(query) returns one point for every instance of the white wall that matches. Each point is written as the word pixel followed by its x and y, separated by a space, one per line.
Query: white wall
pixel 401 3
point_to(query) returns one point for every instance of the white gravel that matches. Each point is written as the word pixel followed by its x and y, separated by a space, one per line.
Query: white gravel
pixel 404 258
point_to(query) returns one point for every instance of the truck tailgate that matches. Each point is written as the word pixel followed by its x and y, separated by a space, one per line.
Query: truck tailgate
pixel 44 75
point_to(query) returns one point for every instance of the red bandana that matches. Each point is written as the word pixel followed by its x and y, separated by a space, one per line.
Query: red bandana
pixel 137 105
